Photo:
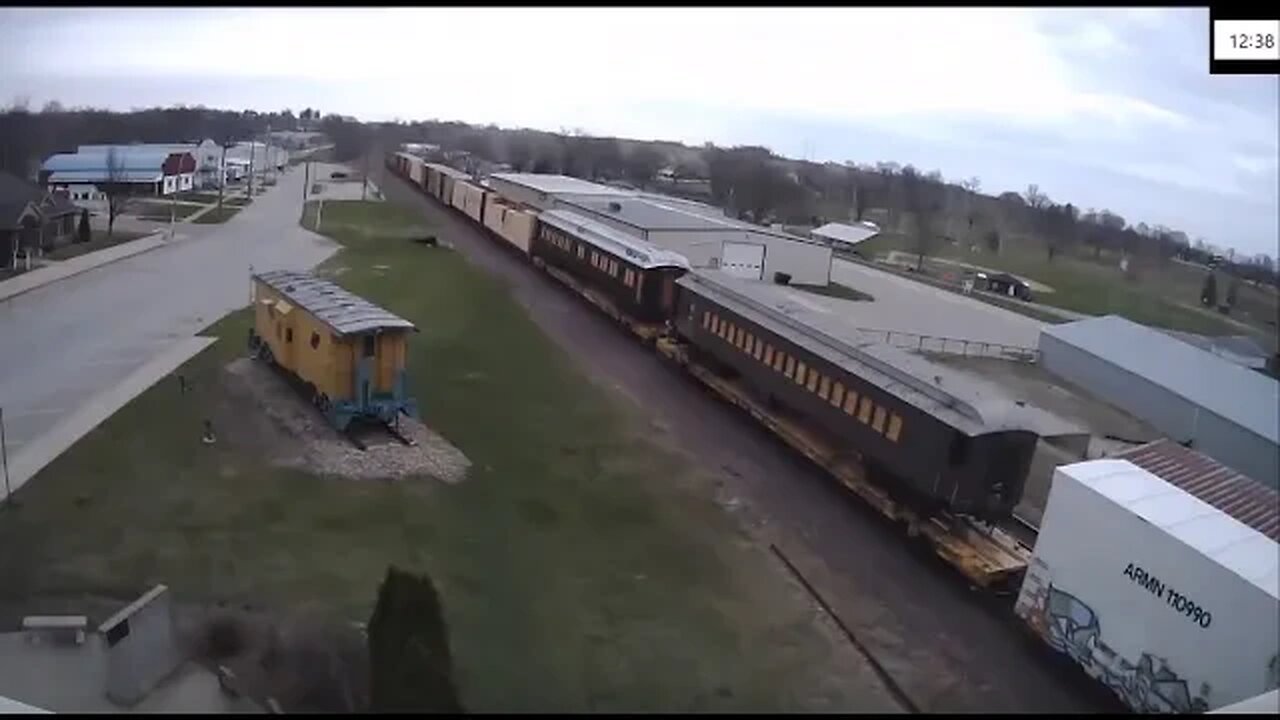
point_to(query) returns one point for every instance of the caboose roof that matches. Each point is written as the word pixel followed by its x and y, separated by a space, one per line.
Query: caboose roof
pixel 346 313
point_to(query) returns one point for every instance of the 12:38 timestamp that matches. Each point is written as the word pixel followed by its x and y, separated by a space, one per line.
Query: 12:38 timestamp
pixel 1253 41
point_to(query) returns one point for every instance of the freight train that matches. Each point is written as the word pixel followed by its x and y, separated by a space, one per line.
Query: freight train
pixel 921 455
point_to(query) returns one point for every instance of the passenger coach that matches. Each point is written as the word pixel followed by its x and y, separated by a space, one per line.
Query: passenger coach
pixel 935 447
pixel 639 278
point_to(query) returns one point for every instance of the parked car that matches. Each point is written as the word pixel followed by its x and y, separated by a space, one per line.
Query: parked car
pixel 337 175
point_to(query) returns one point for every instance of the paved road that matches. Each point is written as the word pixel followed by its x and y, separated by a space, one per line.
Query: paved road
pixel 64 343
pixel 908 306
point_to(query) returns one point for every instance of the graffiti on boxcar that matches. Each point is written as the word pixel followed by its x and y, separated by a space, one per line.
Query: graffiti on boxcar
pixel 1073 628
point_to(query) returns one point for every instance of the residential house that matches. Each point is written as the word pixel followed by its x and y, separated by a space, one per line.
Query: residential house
pixel 32 219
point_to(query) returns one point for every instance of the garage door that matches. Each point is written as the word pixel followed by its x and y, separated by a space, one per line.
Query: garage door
pixel 744 260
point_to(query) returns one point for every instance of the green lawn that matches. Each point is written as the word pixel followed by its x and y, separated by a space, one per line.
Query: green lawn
pixel 215 215
pixel 581 565
pixel 161 211
pixel 98 241
pixel 836 290
pixel 1097 287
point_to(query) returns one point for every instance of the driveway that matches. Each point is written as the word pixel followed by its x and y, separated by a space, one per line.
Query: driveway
pixel 65 343
pixel 907 306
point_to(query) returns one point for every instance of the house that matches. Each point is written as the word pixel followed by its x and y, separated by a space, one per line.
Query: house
pixel 145 170
pixel 32 220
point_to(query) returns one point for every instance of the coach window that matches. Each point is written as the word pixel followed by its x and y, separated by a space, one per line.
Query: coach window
pixel 582 252
pixel 759 353
pixel 706 319
pixel 779 361
pixel 895 428
pixel 824 388
pixel 812 384
pixel 801 369
pixel 791 366
pixel 288 335
pixel 850 402
pixel 837 394
pixel 315 340
pixel 750 343
pixel 864 410
pixel 877 423
pixel 768 354
pixel 737 337
pixel 729 330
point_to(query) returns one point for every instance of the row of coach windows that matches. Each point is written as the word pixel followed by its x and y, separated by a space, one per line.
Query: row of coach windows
pixel 833 391
pixel 604 263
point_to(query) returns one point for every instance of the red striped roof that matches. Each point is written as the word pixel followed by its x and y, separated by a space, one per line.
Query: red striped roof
pixel 1239 496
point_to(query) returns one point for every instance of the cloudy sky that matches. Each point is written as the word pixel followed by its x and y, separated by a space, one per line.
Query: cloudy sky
pixel 1101 107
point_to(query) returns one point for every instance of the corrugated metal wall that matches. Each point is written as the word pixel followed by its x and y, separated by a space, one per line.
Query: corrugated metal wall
pixel 1171 414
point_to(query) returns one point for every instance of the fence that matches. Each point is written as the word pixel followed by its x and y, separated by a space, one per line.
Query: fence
pixel 953 346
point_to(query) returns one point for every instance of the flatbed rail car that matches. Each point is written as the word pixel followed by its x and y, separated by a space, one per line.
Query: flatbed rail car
pixel 985 554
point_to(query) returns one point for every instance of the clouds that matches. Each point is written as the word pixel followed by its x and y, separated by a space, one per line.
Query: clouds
pixel 1114 104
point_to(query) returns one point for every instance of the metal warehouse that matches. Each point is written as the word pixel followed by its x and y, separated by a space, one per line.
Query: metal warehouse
pixel 1224 410
pixel 701 233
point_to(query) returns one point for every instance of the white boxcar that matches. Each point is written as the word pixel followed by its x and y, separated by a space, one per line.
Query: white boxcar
pixel 1162 597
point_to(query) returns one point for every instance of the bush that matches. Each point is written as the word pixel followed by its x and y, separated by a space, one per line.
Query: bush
pixel 409 661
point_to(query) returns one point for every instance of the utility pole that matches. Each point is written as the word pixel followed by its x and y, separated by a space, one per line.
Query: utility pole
pixel 364 183
pixel 306 179
pixel 266 150
pixel 222 174
pixel 253 144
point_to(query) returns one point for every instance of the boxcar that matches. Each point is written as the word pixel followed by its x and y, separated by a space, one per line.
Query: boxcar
pixel 513 223
pixel 932 446
pixel 469 198
pixel 346 353
pixel 637 277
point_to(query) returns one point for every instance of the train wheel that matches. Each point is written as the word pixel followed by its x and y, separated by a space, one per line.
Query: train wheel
pixel 322 402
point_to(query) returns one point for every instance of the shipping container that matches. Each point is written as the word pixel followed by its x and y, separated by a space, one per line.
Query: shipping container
pixel 1160 596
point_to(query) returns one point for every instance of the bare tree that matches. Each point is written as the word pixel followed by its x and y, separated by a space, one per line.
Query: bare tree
pixel 118 190
pixel 1035 198
pixel 922 197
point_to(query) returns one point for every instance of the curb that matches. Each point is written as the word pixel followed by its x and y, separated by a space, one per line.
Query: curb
pixel 6 294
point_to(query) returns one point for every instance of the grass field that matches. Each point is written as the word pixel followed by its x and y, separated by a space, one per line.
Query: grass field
pixel 581 565
pixel 98 241
pixel 1165 295
pixel 215 216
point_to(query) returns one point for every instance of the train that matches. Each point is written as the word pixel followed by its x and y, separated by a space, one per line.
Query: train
pixel 949 470
pixel 346 354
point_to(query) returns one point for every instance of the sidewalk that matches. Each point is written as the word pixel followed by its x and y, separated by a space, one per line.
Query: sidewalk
pixel 67 268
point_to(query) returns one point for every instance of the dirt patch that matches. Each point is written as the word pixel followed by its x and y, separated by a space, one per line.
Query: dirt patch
pixel 262 410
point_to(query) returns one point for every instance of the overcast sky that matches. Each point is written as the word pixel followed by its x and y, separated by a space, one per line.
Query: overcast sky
pixel 1101 107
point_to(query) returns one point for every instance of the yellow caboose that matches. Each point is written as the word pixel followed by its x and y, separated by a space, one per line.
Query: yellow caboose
pixel 347 353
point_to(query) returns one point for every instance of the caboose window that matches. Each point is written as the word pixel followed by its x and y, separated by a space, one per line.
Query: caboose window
pixel 895 427
pixel 877 423
pixel 768 354
pixel 288 335
pixel 706 319
pixel 315 340
pixel 791 365
pixel 800 372
pixel 368 345
pixel 812 385
pixel 864 410
pixel 837 394
pixel 759 353
pixel 824 388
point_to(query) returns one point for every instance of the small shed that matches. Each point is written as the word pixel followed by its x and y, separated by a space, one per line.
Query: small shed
pixel 845 237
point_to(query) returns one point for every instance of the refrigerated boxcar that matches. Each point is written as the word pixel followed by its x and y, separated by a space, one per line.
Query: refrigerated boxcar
pixel 637 277
pixel 347 354
pixel 925 444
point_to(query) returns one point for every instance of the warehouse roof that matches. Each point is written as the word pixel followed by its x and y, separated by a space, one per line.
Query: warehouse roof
pixel 130 158
pixel 1241 497
pixel 649 214
pixel 1186 518
pixel 72 177
pixel 556 184
pixel 969 404
pixel 851 234
pixel 347 314
pixel 1242 396
pixel 606 238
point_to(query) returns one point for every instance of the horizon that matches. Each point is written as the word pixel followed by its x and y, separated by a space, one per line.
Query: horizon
pixel 1083 113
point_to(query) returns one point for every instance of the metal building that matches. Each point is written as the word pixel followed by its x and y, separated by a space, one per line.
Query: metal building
pixel 1221 409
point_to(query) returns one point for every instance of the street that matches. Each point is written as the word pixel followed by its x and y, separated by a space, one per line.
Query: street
pixel 64 343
